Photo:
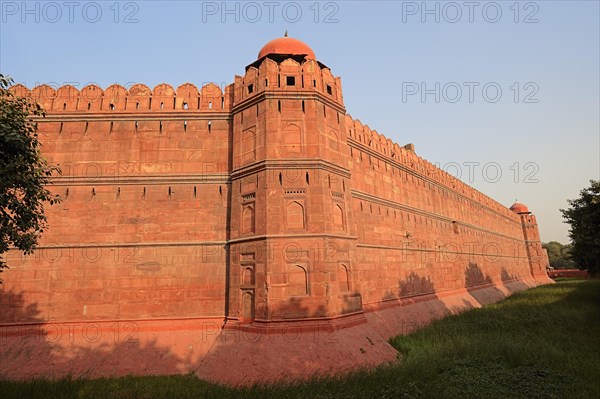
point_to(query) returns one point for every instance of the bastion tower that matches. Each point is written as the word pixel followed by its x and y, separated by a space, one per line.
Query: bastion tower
pixel 291 241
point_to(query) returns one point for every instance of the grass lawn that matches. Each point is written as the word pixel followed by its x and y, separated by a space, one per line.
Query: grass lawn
pixel 541 343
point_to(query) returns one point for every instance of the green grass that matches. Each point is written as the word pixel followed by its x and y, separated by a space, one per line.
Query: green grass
pixel 541 343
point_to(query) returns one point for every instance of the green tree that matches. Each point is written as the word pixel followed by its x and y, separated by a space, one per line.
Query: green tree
pixel 23 174
pixel 559 255
pixel 584 217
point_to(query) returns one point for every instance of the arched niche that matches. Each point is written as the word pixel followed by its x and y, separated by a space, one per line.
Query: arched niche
pixel 294 216
pixel 248 219
pixel 297 281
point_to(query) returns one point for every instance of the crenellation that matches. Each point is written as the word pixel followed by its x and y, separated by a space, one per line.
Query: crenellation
pixel 91 98
pixel 20 91
pixel 44 95
pixel 138 99
pixel 66 99
pixel 287 76
pixel 290 75
pixel 411 160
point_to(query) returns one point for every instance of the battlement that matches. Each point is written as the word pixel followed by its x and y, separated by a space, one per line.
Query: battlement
pixel 288 76
pixel 138 98
pixel 406 156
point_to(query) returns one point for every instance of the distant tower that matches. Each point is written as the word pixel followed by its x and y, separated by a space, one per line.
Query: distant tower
pixel 291 244
pixel 538 258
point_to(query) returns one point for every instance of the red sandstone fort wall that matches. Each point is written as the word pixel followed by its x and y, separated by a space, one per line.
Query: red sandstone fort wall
pixel 157 183
pixel 141 230
pixel 191 217
pixel 422 231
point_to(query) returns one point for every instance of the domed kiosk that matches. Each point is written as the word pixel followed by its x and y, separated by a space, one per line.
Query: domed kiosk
pixel 519 208
pixel 286 47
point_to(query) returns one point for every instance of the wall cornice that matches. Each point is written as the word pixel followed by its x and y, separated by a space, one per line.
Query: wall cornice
pixel 360 146
pixel 406 208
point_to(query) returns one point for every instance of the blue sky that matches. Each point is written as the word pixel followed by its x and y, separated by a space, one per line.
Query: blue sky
pixel 506 90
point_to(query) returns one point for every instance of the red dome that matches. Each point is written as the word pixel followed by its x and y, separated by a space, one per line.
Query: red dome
pixel 286 45
pixel 518 207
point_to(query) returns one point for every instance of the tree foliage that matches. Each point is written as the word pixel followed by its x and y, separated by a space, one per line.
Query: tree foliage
pixel 584 217
pixel 23 174
pixel 559 255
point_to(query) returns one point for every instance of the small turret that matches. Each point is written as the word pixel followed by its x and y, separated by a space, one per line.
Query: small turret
pixel 519 208
pixel 537 257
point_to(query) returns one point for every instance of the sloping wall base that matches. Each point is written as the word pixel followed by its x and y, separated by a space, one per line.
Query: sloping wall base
pixel 233 356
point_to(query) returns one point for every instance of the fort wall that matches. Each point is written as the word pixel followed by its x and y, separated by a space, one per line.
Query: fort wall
pixel 259 206
pixel 135 178
pixel 421 230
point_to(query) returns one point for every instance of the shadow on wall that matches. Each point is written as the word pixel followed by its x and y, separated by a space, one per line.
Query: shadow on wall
pixel 352 302
pixel 415 285
pixel 14 309
pixel 420 305
pixel 511 282
pixel 474 276
pixel 297 307
pixel 28 349
pixel 475 279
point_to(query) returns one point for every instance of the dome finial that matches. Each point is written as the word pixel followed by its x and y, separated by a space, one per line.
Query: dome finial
pixel 285 34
